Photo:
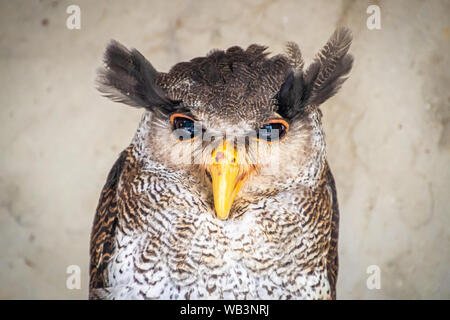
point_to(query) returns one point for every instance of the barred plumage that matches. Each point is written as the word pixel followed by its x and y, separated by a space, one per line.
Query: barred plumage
pixel 158 232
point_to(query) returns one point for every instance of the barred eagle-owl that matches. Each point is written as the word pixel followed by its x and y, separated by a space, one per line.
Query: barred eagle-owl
pixel 225 191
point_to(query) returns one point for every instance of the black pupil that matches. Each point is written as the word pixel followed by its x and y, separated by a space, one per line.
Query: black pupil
pixel 272 131
pixel 185 124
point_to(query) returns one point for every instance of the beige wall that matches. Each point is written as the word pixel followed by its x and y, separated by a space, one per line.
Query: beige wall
pixel 388 129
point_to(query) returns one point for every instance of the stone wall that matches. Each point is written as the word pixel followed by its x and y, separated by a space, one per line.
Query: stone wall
pixel 388 130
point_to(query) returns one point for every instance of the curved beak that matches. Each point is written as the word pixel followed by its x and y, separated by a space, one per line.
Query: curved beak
pixel 227 178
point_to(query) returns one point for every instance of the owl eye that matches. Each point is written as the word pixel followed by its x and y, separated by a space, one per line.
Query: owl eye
pixel 184 127
pixel 274 130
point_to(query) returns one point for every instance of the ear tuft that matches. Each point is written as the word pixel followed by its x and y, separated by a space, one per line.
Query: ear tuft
pixel 321 80
pixel 295 55
pixel 127 77
pixel 326 73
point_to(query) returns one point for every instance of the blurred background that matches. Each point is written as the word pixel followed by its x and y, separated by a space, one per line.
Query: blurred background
pixel 388 129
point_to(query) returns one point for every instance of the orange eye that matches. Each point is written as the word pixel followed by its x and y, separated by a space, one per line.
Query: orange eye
pixel 274 130
pixel 184 127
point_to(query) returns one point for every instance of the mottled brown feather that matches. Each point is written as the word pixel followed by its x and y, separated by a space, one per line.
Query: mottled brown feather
pixel 333 260
pixel 105 222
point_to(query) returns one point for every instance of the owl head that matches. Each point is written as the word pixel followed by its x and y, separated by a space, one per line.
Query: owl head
pixel 242 122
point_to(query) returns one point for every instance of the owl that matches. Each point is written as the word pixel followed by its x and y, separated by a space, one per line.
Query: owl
pixel 225 191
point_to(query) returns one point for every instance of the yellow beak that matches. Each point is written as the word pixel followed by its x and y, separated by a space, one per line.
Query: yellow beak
pixel 227 178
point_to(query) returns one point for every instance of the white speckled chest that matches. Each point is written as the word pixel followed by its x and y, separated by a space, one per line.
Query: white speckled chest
pixel 272 251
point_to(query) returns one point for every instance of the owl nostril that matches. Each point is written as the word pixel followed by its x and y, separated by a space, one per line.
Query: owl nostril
pixel 219 156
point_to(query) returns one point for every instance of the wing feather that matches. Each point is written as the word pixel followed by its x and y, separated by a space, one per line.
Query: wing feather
pixel 105 222
pixel 332 258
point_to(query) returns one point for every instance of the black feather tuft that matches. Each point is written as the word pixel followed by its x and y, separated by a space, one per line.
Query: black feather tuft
pixel 333 63
pixel 128 77
pixel 291 95
pixel 321 80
